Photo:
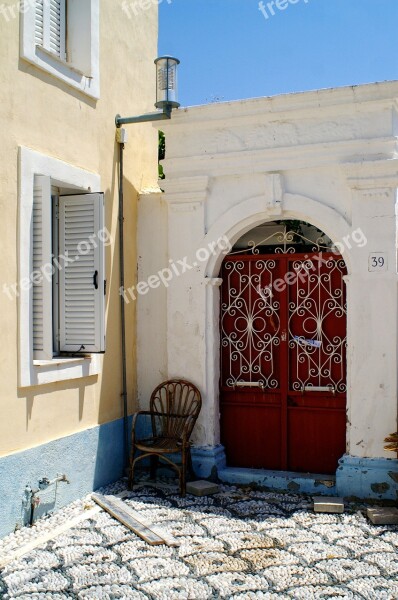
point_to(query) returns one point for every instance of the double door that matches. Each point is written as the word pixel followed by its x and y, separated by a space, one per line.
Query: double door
pixel 283 361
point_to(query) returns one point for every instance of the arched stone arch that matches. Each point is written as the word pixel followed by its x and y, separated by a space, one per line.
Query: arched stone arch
pixel 246 215
pixel 234 223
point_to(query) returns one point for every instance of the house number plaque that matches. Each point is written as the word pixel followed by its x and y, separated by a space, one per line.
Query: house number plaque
pixel 377 261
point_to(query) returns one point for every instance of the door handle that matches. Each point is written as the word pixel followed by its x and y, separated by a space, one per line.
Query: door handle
pixel 249 384
pixel 95 280
pixel 320 388
pixel 283 336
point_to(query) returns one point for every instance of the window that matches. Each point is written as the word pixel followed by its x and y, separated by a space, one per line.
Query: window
pixel 61 284
pixel 62 38
pixel 68 272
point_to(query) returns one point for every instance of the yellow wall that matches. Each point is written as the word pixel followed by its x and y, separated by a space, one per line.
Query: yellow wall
pixel 42 113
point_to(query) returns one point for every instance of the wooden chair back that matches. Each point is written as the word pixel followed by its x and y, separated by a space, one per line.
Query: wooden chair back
pixel 174 403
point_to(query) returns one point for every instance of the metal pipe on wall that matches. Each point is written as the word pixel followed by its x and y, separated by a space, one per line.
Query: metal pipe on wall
pixel 122 307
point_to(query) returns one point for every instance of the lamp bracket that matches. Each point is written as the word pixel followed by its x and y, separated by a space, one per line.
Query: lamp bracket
pixel 156 116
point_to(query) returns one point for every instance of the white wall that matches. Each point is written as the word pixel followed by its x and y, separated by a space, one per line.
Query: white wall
pixel 325 157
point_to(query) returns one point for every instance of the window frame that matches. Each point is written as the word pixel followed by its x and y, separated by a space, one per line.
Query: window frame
pixel 67 177
pixel 81 67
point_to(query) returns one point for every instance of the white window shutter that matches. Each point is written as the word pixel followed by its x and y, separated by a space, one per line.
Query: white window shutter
pixel 57 27
pixel 82 276
pixel 41 269
pixel 39 23
pixel 50 26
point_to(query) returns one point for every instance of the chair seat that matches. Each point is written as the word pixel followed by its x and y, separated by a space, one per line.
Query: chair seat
pixel 159 445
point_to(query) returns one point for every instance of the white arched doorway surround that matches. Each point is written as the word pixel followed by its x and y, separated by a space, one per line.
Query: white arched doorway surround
pixel 233 224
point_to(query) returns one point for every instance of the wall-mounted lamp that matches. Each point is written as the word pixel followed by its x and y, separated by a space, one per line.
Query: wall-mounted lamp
pixel 166 93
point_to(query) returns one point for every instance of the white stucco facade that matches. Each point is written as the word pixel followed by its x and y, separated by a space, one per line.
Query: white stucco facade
pixel 327 157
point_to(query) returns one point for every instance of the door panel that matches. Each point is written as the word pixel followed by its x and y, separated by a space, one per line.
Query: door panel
pixel 251 395
pixel 251 426
pixel 283 361
pixel 316 438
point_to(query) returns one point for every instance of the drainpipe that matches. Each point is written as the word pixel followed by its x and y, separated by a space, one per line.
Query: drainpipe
pixel 122 308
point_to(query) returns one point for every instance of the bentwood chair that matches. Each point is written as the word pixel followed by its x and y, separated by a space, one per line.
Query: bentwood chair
pixel 174 409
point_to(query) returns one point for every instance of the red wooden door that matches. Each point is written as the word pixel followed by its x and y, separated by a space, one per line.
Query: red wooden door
pixel 283 361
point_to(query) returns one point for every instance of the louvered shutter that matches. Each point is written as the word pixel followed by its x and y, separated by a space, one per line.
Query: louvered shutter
pixel 50 26
pixel 82 277
pixel 39 23
pixel 41 267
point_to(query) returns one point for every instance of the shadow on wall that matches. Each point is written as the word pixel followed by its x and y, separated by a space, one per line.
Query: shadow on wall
pixel 55 388
pixel 49 79
pixel 111 399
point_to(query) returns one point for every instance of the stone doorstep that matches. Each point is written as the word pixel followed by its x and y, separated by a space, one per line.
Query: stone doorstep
pixel 325 504
pixel 202 488
pixel 383 516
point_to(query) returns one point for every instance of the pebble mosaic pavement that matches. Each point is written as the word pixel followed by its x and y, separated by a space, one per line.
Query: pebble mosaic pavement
pixel 239 544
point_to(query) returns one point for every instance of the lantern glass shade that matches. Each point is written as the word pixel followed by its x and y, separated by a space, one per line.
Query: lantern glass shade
pixel 166 82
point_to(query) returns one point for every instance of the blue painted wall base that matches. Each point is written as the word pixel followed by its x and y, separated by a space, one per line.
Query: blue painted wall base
pixel 90 459
pixel 285 481
pixel 366 478
pixel 208 461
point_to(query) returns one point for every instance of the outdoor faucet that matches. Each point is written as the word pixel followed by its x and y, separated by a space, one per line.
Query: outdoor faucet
pixel 45 482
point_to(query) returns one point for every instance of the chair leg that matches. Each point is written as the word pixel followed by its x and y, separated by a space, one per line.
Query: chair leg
pixel 131 475
pixel 154 465
pixel 191 472
pixel 183 482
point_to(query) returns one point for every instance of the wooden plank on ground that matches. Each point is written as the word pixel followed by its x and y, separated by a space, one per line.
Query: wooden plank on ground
pixel 123 513
pixel 169 539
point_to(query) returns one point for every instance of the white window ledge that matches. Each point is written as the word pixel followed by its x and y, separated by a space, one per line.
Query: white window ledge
pixel 51 371
pixel 58 361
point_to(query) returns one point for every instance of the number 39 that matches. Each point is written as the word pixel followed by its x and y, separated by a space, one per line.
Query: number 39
pixel 377 262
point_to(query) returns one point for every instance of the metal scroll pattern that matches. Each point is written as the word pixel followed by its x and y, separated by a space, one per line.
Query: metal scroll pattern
pixel 283 241
pixel 250 324
pixel 317 318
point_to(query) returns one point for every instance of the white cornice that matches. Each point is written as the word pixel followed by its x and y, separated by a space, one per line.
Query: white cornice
pixel 351 98
pixel 278 159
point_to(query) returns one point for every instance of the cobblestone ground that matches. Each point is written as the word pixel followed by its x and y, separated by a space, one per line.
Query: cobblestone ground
pixel 240 544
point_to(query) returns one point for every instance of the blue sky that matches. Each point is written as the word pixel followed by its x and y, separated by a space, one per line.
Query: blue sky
pixel 229 49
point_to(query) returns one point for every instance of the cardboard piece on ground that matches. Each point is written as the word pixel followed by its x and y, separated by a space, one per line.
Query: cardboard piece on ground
pixel 328 504
pixel 202 488
pixel 42 539
pixel 50 535
pixel 383 516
